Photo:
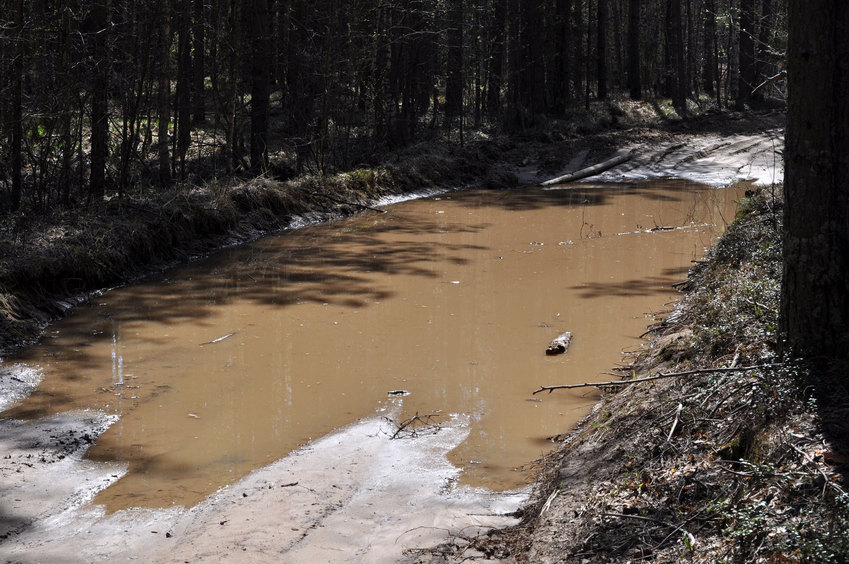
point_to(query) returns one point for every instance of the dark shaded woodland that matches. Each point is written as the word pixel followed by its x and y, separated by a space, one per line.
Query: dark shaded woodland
pixel 99 98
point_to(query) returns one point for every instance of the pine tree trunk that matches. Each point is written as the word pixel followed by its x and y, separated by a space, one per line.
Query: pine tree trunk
pixel 99 102
pixel 260 76
pixel 164 92
pixel 17 110
pixel 747 67
pixel 635 88
pixel 199 62
pixel 454 82
pixel 601 50
pixel 814 315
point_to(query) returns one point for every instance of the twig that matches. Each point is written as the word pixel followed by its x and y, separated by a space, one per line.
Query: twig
pixel 657 377
pixel 219 339
pixel 548 501
pixel 675 423
pixel 820 470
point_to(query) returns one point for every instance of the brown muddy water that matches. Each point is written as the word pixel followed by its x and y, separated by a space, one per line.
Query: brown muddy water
pixel 232 362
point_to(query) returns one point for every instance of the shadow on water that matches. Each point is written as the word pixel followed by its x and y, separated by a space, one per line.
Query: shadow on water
pixel 576 195
pixel 634 287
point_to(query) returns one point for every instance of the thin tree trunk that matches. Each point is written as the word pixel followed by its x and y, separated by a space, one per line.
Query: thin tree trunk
pixel 454 82
pixel 99 103
pixel 635 88
pixel 746 77
pixel 260 77
pixel 496 59
pixel 164 92
pixel 601 50
pixel 17 110
pixel 199 62
pixel 184 86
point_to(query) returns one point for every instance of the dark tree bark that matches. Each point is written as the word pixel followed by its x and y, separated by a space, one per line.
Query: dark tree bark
pixel 709 46
pixel 765 68
pixel 679 66
pixel 496 59
pixel 164 92
pixel 184 85
pixel 199 61
pixel 747 67
pixel 99 102
pixel 635 88
pixel 260 78
pixel 814 317
pixel 454 82
pixel 601 50
pixel 17 110
pixel 560 92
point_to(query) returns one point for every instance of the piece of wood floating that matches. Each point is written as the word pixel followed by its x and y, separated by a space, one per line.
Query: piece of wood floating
pixel 219 339
pixel 590 170
pixel 560 344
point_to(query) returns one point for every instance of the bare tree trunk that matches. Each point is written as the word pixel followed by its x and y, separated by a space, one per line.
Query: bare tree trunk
pixel 164 92
pixel 746 78
pixel 184 85
pixel 260 76
pixel 814 317
pixel 454 82
pixel 100 103
pixel 601 50
pixel 635 88
pixel 199 62
pixel 17 110
pixel 496 59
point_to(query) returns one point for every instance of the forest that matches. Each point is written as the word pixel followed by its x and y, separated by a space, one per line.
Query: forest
pixel 99 98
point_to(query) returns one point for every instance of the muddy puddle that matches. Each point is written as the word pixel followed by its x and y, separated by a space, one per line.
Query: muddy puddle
pixel 226 365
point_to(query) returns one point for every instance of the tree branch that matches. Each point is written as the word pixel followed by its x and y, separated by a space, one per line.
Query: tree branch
pixel 656 377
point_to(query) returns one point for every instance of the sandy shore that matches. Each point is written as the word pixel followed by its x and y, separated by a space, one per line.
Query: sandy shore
pixel 352 496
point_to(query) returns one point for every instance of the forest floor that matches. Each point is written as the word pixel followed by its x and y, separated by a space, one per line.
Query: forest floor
pixel 724 465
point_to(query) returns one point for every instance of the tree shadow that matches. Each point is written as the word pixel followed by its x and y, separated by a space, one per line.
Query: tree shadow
pixel 652 285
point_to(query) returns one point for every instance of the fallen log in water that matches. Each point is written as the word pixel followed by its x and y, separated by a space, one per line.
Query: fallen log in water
pixel 560 344
pixel 589 171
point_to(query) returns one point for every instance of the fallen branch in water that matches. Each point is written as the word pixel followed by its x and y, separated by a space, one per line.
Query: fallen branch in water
pixel 413 426
pixel 656 377
pixel 589 171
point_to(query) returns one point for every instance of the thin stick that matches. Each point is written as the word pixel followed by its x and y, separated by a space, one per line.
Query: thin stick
pixel 657 377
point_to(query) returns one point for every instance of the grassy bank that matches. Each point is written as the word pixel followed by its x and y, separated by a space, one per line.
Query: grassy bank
pixel 729 464
pixel 50 261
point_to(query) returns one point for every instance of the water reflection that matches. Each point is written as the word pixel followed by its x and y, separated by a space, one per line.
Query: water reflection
pixel 228 364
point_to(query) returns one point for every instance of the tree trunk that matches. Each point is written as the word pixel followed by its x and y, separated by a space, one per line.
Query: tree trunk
pixel 260 76
pixel 17 113
pixel 635 88
pixel 709 46
pixel 747 67
pixel 679 66
pixel 198 63
pixel 184 85
pixel 815 290
pixel 496 59
pixel 164 92
pixel 601 50
pixel 99 102
pixel 454 82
